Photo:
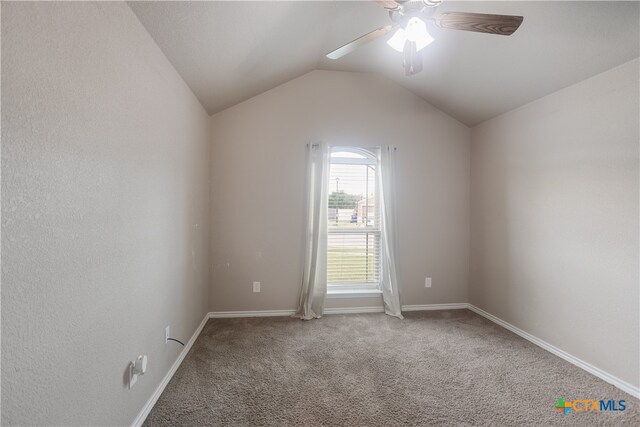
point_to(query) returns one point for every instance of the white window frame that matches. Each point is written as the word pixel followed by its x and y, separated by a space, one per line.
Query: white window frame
pixel 367 289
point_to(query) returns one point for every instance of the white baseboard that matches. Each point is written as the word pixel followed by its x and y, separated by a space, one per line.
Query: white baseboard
pixel 611 379
pixel 336 310
pixel 272 313
pixel 426 307
pixel 156 394
pixel 353 310
pixel 254 313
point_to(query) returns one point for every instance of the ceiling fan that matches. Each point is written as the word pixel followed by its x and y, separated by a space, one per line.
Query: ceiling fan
pixel 408 20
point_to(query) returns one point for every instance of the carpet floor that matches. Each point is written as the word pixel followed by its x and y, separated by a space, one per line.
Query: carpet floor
pixel 433 368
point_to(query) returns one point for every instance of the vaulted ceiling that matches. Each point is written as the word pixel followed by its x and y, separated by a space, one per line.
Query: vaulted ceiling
pixel 228 52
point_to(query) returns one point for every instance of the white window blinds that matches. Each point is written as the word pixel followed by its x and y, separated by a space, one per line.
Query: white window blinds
pixel 353 247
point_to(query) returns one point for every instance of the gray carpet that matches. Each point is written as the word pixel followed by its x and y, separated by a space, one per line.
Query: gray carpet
pixel 433 368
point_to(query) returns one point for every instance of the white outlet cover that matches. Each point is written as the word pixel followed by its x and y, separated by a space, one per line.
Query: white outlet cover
pixel 427 282
pixel 136 368
pixel 133 378
pixel 167 334
pixel 256 287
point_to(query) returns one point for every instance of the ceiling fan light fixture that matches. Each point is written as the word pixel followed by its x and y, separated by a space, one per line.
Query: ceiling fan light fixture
pixel 398 40
pixel 416 32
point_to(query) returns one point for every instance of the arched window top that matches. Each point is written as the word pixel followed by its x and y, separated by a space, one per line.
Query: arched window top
pixel 348 154
pixel 353 155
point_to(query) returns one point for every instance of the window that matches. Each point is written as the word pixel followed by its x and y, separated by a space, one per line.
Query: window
pixel 353 241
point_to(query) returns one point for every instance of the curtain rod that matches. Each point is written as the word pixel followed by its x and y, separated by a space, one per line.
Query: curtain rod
pixel 317 145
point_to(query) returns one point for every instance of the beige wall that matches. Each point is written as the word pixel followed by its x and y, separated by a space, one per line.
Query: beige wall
pixel 257 187
pixel 105 212
pixel 555 219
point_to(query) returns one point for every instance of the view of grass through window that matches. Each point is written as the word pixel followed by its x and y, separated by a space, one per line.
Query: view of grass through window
pixel 353 252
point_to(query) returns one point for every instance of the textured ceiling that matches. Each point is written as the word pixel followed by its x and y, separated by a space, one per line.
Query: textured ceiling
pixel 231 51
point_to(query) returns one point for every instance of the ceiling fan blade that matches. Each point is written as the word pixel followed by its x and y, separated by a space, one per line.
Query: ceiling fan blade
pixel 354 44
pixel 503 25
pixel 388 4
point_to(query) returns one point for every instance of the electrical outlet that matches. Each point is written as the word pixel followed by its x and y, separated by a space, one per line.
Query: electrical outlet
pixel 133 378
pixel 427 282
pixel 136 368
pixel 167 334
pixel 256 287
